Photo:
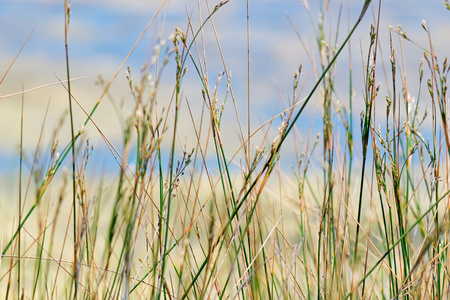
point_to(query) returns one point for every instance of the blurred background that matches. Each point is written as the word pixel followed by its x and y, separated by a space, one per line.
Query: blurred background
pixel 102 33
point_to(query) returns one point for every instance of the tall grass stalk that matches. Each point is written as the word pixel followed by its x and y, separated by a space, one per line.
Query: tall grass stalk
pixel 72 132
pixel 20 197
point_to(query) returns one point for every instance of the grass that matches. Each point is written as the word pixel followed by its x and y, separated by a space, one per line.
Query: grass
pixel 207 222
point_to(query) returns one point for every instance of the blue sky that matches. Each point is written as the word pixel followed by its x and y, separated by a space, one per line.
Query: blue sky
pixel 103 32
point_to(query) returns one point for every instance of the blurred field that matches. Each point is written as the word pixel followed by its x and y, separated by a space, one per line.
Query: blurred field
pixel 211 157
